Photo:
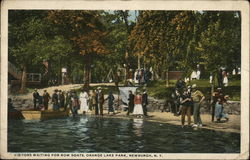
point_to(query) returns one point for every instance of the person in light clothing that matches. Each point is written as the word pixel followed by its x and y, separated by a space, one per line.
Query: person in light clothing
pixel 197 97
pixel 138 105
pixel 219 114
pixel 84 97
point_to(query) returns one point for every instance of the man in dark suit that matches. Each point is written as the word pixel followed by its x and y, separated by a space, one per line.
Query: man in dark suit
pixel 144 102
pixel 46 98
pixel 100 100
pixel 131 104
pixel 55 100
pixel 36 98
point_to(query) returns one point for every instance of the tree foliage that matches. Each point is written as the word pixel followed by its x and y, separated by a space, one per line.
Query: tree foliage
pixel 93 42
pixel 182 39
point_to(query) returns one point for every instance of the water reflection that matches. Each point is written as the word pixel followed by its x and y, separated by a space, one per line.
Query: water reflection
pixel 98 134
pixel 138 123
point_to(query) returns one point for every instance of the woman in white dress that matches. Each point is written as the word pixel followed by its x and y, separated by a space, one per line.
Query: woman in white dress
pixel 138 105
pixel 136 76
pixel 84 97
pixel 225 81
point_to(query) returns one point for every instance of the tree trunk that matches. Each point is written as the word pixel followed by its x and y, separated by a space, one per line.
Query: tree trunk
pixel 90 75
pixel 60 72
pixel 212 89
pixel 23 81
pixel 87 72
pixel 139 62
pixel 144 64
pixel 167 79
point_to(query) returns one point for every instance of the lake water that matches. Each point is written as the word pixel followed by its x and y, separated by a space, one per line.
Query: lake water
pixel 96 134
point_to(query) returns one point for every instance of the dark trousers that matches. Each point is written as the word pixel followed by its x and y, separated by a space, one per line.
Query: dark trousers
pixel 220 82
pixel 96 109
pixel 101 109
pixel 213 111
pixel 35 103
pixel 185 110
pixel 197 117
pixel 144 108
pixel 74 110
pixel 130 108
pixel 46 105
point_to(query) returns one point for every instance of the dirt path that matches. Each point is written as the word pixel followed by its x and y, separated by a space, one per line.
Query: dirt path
pixel 233 125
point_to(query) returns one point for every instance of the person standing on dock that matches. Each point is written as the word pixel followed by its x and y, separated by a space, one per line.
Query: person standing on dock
pixel 131 104
pixel 75 104
pixel 36 98
pixel 68 100
pixel 46 98
pixel 110 99
pixel 61 99
pixel 100 100
pixel 92 101
pixel 197 97
pixel 55 100
pixel 138 111
pixel 219 114
pixel 215 95
pixel 96 100
pixel 84 98
pixel 144 102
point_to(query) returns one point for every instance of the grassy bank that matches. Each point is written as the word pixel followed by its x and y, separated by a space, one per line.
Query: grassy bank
pixel 159 90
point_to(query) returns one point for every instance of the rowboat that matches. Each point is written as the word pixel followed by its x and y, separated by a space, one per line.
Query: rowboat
pixel 44 115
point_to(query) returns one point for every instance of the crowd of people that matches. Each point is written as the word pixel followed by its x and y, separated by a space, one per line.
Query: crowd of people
pixel 187 101
pixel 89 102
pixel 139 76
pixel 82 104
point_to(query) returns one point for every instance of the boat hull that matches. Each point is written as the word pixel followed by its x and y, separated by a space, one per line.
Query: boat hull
pixel 44 115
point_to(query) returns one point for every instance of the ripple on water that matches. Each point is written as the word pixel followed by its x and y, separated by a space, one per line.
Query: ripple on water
pixel 96 134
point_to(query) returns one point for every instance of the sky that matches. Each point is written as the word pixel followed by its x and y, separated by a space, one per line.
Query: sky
pixel 132 14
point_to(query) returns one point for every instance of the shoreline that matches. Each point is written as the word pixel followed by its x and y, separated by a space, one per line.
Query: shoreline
pixel 232 126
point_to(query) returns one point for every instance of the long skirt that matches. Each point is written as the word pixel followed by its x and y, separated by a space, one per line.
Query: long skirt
pixel 138 109
pixel 111 108
pixel 84 106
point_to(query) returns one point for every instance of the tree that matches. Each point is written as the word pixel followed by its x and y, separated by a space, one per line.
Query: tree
pixel 220 41
pixel 31 41
pixel 86 32
pixel 183 39
pixel 153 37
